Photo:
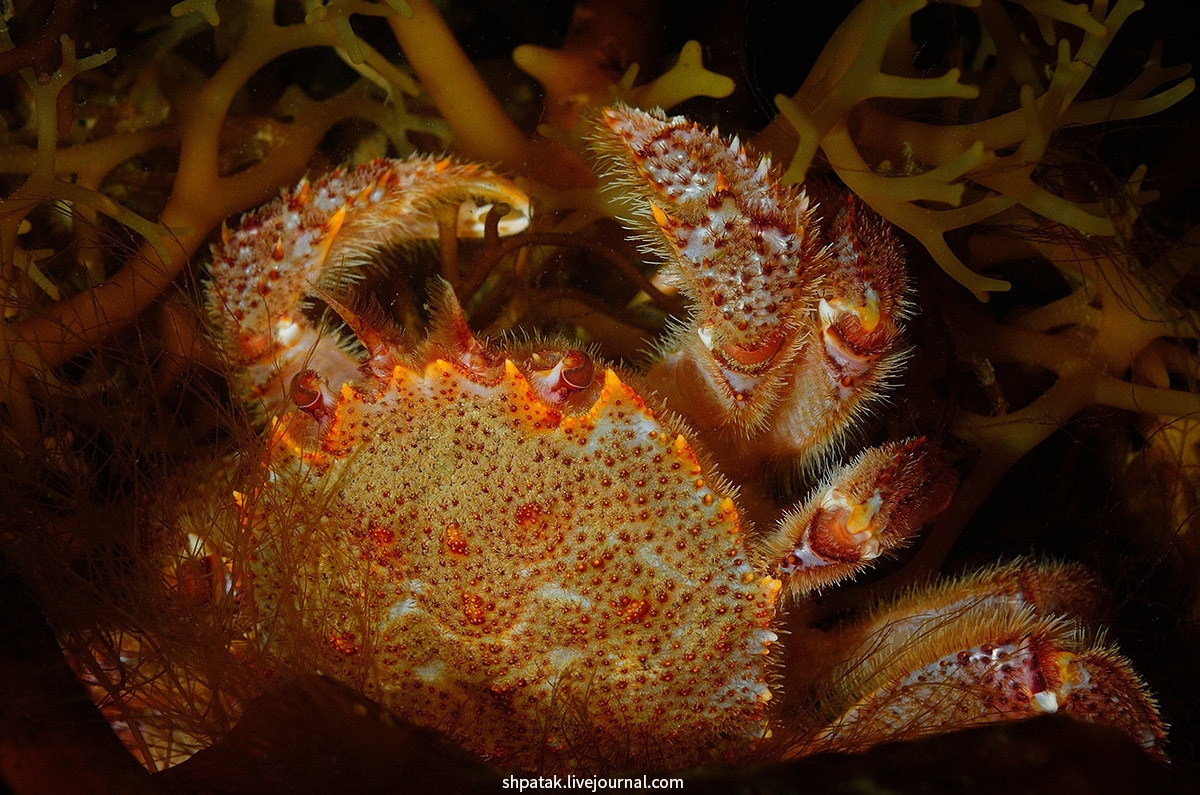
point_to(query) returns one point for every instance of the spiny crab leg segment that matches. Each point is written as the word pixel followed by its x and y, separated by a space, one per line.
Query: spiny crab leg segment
pixel 318 235
pixel 855 346
pixel 741 246
pixel 874 505
pixel 1067 590
pixel 450 337
pixel 1070 590
pixel 946 662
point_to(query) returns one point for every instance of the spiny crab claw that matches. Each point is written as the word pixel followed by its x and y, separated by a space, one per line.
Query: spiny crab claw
pixel 314 239
pixel 854 346
pixel 874 505
pixel 795 325
pixel 742 247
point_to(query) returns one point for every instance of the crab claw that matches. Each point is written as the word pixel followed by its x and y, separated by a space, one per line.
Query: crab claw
pixel 740 245
pixel 795 327
pixel 314 239
pixel 874 505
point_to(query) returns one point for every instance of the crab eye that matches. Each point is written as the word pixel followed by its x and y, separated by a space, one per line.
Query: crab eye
pixel 558 380
pixel 755 356
pixel 577 370
pixel 310 394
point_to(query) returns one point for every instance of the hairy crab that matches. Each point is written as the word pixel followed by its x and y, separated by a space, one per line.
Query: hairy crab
pixel 565 564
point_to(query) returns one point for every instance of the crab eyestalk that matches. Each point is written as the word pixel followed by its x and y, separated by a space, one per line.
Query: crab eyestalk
pixel 559 376
pixel 311 395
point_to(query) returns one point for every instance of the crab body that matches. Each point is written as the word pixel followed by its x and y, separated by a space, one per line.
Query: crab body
pixel 590 564
pixel 567 565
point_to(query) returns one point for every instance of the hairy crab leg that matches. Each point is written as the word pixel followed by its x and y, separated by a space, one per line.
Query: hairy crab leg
pixel 855 345
pixel 874 505
pixel 979 664
pixel 1061 589
pixel 319 236
pixel 1069 590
